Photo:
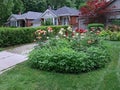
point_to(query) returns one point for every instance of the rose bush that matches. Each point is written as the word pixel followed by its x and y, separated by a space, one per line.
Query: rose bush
pixel 69 53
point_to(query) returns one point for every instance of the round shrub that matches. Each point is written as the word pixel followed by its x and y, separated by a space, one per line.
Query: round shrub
pixel 64 59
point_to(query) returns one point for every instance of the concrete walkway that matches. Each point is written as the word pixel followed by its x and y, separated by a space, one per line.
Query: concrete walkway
pixel 14 55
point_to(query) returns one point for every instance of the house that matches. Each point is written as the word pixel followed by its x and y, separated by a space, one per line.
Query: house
pixel 24 20
pixel 62 16
pixel 114 14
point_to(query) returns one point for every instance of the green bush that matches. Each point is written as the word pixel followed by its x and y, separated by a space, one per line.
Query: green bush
pixel 110 35
pixel 95 25
pixel 15 36
pixel 59 56
pixel 47 22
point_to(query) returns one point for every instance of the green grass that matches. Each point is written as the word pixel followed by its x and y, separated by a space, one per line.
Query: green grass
pixel 22 77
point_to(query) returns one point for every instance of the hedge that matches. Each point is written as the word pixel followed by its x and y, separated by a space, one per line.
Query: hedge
pixel 15 36
pixel 95 25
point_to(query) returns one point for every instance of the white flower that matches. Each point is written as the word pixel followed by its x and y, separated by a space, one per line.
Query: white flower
pixel 62 29
pixel 73 31
pixel 76 34
pixel 64 35
pixel 69 28
pixel 60 32
pixel 47 37
pixel 57 37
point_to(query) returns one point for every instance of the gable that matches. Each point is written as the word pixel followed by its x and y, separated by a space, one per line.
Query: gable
pixel 12 18
pixel 48 14
pixel 115 5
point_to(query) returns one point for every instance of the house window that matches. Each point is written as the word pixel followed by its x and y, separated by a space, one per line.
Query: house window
pixel 13 23
pixel 56 21
pixel 64 21
pixel 77 19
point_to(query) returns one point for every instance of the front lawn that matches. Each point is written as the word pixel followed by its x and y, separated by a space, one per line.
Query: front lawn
pixel 22 77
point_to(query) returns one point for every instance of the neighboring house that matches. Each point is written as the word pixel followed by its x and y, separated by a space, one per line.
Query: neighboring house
pixel 114 14
pixel 25 20
pixel 61 16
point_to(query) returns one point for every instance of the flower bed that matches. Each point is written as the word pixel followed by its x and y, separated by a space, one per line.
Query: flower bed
pixel 112 33
pixel 69 53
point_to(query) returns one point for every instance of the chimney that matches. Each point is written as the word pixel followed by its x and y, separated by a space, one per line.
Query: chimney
pixel 49 7
pixel 19 13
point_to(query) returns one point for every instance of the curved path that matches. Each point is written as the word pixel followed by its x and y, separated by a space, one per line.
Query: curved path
pixel 14 55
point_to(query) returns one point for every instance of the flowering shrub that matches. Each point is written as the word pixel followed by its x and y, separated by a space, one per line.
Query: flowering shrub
pixel 70 54
pixel 40 34
pixel 59 56
pixel 111 34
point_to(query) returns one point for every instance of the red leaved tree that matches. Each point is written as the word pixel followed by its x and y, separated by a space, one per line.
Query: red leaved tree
pixel 95 11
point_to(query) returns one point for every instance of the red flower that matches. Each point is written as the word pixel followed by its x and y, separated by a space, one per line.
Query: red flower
pixel 66 33
pixel 80 31
pixel 73 33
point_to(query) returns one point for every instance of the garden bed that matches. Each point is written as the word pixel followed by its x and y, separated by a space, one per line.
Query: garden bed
pixel 68 53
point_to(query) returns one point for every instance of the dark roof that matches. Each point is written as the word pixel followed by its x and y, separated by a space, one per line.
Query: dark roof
pixel 67 11
pixel 28 15
pixel 17 16
pixel 31 15
pixel 63 11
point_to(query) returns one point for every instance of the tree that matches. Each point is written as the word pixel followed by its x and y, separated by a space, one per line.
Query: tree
pixel 55 4
pixel 5 10
pixel 34 5
pixel 18 6
pixel 79 3
pixel 94 11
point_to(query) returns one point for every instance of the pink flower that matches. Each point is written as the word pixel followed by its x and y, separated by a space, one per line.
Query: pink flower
pixel 50 29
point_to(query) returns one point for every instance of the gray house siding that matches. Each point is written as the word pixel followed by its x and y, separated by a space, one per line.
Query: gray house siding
pixel 114 13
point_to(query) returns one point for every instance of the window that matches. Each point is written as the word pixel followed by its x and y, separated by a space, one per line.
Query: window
pixel 64 21
pixel 56 21
pixel 13 23
pixel 77 19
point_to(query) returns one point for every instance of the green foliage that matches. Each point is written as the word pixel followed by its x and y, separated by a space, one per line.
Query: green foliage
pixel 113 28
pixel 18 7
pixel 59 55
pixel 15 36
pixel 116 22
pixel 109 35
pixel 34 5
pixel 5 10
pixel 47 22
pixel 95 25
